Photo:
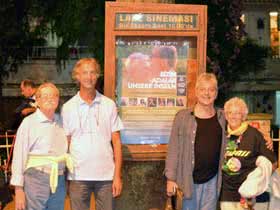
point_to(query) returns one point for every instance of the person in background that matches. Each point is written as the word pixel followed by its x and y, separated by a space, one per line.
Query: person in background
pixel 246 156
pixel 28 105
pixel 40 155
pixel 93 126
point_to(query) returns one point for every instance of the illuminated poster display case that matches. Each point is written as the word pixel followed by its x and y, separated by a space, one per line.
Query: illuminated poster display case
pixel 153 54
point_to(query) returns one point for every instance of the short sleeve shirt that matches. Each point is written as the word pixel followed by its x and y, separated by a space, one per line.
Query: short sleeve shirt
pixel 90 127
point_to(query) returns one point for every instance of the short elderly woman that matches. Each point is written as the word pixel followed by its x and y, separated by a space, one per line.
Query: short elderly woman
pixel 245 146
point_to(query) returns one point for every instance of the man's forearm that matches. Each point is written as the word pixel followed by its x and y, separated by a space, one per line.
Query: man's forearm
pixel 117 147
pixel 27 111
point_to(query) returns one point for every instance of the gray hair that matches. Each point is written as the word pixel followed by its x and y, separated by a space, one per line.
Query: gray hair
pixel 237 102
pixel 44 85
pixel 206 77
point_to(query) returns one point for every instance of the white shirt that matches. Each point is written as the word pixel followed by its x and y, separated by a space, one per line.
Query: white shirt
pixel 37 135
pixel 91 127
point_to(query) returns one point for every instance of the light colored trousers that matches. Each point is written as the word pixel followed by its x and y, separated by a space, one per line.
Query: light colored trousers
pixel 38 192
pixel 204 196
pixel 236 206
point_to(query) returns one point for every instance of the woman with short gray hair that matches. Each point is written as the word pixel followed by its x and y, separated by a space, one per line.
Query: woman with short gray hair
pixel 245 151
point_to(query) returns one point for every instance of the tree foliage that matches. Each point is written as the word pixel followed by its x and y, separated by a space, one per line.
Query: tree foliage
pixel 13 36
pixel 25 23
pixel 73 21
pixel 230 54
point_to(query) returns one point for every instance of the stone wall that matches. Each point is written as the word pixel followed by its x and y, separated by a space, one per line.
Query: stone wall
pixel 143 186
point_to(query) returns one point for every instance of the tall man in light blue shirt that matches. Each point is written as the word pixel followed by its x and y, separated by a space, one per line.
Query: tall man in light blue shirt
pixel 40 142
pixel 92 125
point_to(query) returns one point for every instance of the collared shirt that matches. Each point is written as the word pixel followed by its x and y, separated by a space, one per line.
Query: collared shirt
pixel 180 157
pixel 90 127
pixel 37 135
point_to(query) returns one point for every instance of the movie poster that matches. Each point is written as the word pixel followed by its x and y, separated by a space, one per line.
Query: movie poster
pixel 152 84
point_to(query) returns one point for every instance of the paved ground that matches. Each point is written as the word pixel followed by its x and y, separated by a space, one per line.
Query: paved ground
pixel 11 206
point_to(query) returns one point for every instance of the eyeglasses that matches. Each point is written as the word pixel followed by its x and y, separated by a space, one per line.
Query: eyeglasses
pixel 48 96
pixel 234 113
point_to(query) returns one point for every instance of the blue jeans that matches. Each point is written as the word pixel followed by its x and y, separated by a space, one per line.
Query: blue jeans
pixel 38 192
pixel 80 192
pixel 204 196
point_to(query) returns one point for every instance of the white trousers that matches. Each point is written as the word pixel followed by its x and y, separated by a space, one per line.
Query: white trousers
pixel 236 206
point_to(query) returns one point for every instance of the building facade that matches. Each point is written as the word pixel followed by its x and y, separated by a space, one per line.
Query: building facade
pixel 262 90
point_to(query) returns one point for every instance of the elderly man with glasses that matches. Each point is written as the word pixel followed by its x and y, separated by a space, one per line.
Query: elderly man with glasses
pixel 40 156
